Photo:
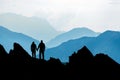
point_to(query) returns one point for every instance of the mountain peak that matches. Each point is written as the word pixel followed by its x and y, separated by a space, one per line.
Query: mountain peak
pixel 38 28
pixel 111 33
pixel 72 34
pixel 101 57
pixel 82 29
pixel 107 42
pixel 84 50
pixel 83 56
pixel 8 37
pixel 19 51
pixel 2 50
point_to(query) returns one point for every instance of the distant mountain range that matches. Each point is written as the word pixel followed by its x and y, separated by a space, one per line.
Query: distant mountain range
pixel 107 42
pixel 7 38
pixel 37 28
pixel 72 34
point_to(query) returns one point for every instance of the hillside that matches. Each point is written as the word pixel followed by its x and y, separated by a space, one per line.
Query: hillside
pixel 72 34
pixel 37 28
pixel 82 64
pixel 107 42
pixel 7 38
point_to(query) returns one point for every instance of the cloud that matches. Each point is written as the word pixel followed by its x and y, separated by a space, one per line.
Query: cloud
pixel 115 2
pixel 29 7
pixel 98 15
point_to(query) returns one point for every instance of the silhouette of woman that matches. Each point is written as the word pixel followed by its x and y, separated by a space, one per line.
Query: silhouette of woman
pixel 33 49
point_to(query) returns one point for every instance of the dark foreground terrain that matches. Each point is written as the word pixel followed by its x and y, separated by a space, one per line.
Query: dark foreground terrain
pixel 19 65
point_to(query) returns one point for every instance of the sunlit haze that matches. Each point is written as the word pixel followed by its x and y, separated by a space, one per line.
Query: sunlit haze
pixel 63 15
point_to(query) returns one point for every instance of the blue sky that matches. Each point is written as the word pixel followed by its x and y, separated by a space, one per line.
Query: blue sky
pixel 98 15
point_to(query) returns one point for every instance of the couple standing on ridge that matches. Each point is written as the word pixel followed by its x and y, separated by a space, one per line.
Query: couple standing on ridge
pixel 41 48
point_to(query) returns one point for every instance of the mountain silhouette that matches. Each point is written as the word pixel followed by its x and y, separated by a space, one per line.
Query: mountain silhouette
pixel 81 65
pixel 86 64
pixel 72 34
pixel 2 51
pixel 101 57
pixel 7 38
pixel 83 56
pixel 108 42
pixel 3 55
pixel 19 54
pixel 37 28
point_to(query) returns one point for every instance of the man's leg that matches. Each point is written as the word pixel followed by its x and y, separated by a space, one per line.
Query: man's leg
pixel 32 54
pixel 43 55
pixel 35 54
pixel 39 54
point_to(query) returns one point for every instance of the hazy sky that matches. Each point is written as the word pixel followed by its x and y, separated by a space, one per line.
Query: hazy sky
pixel 98 15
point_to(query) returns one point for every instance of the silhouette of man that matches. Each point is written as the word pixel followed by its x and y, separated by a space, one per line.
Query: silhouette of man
pixel 33 49
pixel 41 48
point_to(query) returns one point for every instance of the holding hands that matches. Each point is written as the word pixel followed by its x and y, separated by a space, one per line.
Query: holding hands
pixel 36 49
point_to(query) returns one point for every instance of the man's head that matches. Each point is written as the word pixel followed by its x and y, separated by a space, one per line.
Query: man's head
pixel 41 41
pixel 33 42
